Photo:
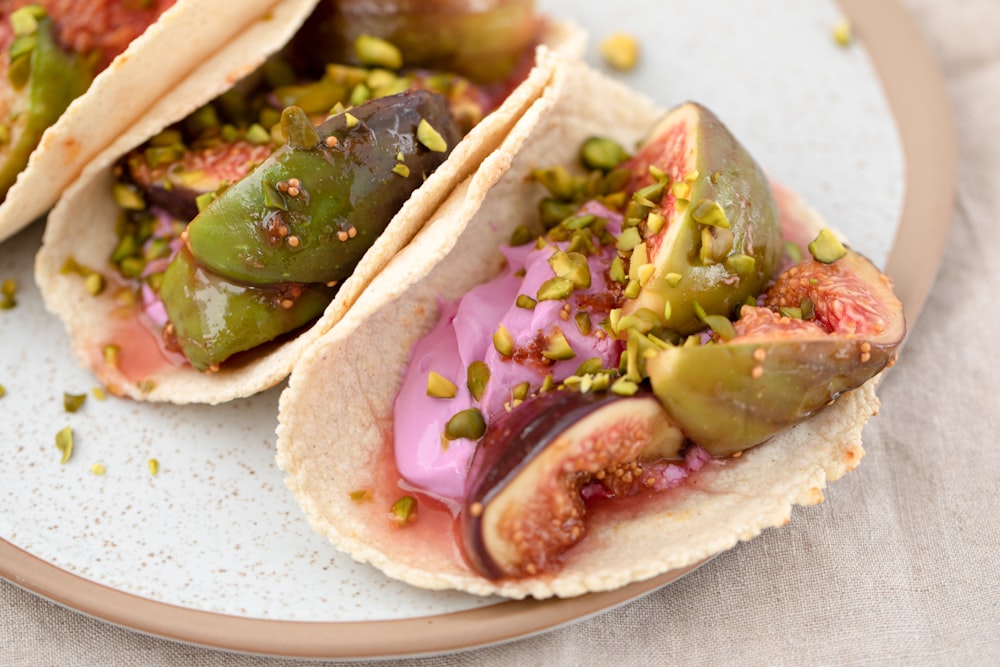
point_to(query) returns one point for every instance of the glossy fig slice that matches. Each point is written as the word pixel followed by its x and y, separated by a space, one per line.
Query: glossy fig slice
pixel 524 507
pixel 778 370
pixel 711 228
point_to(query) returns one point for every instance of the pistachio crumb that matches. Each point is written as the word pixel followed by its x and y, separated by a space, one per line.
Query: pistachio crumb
pixel 403 511
pixel 401 169
pixel 154 466
pixel 72 402
pixel 430 137
pixel 98 469
pixel 64 443
pixel 842 33
pixel 620 50
pixel 439 386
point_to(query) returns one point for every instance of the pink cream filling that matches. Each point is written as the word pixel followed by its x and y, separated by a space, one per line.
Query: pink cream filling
pixel 464 334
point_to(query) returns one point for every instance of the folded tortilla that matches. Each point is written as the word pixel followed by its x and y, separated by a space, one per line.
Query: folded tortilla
pixel 335 418
pixel 82 224
pixel 120 98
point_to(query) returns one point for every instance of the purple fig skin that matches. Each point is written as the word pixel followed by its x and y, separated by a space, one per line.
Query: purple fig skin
pixel 536 459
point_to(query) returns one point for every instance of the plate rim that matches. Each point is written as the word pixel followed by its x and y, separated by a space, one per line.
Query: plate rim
pixel 921 110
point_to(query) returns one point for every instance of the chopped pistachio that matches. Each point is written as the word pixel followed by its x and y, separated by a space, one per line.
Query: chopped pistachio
pixel 351 120
pixel 503 341
pixel 668 310
pixel 98 469
pixel 556 180
pixel 826 247
pixel 645 273
pixel 791 311
pixel 376 52
pixel 620 51
pixel 403 511
pixel 681 189
pixel 362 495
pixel 430 137
pixel 64 443
pixel 73 402
pixel 465 424
pixel 99 393
pixel 590 367
pixel 649 196
pixel 655 222
pixel 842 32
pixel 521 236
pixel 24 21
pixel 127 197
pixel 256 134
pixel 631 290
pixel 359 95
pixel 721 326
pixel 617 270
pixel 153 466
pixel 583 323
pixel 552 211
pixel 8 287
pixel 477 377
pixel 602 153
pixel 401 170
pixel 555 289
pixel 624 387
pixel 709 212
pixel 111 352
pixel 298 129
pixel 579 221
pixel 807 308
pixel 558 348
pixel 525 301
pixel 628 239
pixel 3 391
pixel 439 386
pixel 572 266
pixel 520 392
pixel 716 242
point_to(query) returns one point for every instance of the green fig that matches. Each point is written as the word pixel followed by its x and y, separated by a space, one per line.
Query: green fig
pixel 710 229
pixel 779 369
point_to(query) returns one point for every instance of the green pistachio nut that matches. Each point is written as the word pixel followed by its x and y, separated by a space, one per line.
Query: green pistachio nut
pixel 729 396
pixel 333 200
pixel 732 213
pixel 43 80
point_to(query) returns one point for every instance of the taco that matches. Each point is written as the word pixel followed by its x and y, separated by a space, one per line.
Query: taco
pixel 598 369
pixel 74 75
pixel 299 183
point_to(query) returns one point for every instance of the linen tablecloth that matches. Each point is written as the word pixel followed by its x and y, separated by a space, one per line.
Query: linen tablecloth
pixel 899 566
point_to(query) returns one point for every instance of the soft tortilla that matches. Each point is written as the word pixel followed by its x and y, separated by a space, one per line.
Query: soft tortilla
pixel 82 225
pixel 153 64
pixel 337 410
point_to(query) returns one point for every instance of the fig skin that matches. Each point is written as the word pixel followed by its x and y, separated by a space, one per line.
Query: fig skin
pixel 523 508
pixel 689 142
pixel 54 79
pixel 348 185
pixel 483 41
pixel 728 396
pixel 215 318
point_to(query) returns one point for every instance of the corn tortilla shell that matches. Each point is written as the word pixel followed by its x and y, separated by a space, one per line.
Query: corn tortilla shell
pixel 336 413
pixel 82 225
pixel 154 63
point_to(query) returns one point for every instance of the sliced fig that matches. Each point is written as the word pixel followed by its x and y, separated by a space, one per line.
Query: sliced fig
pixel 711 225
pixel 174 176
pixel 524 508
pixel 778 370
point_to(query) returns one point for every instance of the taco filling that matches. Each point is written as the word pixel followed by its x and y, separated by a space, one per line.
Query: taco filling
pixel 50 52
pixel 656 326
pixel 239 223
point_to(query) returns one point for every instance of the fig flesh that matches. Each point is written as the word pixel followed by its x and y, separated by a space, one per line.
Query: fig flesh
pixel 524 506
pixel 717 238
pixel 778 370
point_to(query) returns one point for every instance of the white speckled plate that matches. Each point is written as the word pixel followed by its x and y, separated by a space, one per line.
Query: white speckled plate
pixel 213 550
